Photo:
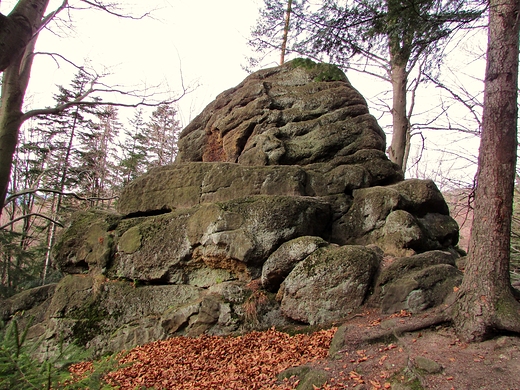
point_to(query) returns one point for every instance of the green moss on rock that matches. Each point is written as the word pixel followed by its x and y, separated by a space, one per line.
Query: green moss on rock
pixel 88 323
pixel 131 240
pixel 320 71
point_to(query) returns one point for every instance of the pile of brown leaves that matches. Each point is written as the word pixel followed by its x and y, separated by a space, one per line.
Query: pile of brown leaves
pixel 251 361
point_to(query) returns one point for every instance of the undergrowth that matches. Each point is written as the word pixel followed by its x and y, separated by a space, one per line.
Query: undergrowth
pixel 21 370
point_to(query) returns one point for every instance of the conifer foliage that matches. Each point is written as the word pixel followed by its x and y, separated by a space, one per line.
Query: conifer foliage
pixel 387 39
pixel 75 159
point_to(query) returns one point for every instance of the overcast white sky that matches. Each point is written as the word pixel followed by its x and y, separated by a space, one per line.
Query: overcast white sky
pixel 204 40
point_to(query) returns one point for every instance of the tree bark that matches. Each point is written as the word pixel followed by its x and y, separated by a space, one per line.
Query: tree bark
pixel 400 124
pixel 485 303
pixel 14 84
pixel 18 28
pixel 286 31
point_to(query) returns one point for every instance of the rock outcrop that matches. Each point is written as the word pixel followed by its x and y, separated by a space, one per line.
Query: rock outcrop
pixel 280 208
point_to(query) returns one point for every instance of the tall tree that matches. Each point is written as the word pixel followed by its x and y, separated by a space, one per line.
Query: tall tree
pixel 163 134
pixel 26 18
pixel 485 300
pixel 134 148
pixel 393 35
pixel 95 156
pixel 18 35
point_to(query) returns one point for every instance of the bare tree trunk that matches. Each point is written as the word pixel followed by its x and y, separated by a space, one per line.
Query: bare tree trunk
pixel 10 122
pixel 57 199
pixel 400 123
pixel 486 303
pixel 14 84
pixel 286 31
pixel 17 29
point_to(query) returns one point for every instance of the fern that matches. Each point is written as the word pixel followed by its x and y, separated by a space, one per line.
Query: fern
pixel 20 370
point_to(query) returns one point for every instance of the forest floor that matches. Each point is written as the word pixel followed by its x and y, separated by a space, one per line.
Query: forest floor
pixel 432 358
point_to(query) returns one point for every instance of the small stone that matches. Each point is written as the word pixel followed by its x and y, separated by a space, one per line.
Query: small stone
pixel 427 365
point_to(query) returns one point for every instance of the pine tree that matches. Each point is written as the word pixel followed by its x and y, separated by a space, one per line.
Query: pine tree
pixel 163 134
pixel 392 36
pixel 96 156
pixel 134 149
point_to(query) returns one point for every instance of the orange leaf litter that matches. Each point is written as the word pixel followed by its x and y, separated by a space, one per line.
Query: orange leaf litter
pixel 251 361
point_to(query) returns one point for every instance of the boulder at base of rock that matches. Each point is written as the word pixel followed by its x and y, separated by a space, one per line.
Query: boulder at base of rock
pixel 418 282
pixel 282 261
pixel 329 283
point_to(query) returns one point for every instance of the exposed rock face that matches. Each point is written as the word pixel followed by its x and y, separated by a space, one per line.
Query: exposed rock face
pixel 296 114
pixel 281 207
pixel 329 283
pixel 418 282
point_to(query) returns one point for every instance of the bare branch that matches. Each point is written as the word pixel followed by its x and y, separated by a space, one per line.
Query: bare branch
pixel 110 9
pixel 80 101
pixel 468 103
pixel 34 190
pixel 54 55
pixel 48 18
pixel 30 215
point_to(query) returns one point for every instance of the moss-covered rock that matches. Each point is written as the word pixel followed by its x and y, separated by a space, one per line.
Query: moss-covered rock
pixel 296 114
pixel 87 243
pixel 403 219
pixel 418 282
pixel 281 183
pixel 329 283
pixel 281 262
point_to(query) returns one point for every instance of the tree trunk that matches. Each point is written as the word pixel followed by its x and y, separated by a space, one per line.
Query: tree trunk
pixel 400 124
pixel 14 84
pixel 485 303
pixel 18 28
pixel 286 31
pixel 10 122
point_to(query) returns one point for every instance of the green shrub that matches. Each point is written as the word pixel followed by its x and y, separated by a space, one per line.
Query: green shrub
pixel 20 370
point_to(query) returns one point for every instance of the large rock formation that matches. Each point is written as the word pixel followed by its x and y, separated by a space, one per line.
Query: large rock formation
pixel 281 208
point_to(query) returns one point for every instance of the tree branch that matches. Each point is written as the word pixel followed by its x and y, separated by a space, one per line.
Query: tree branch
pixel 34 190
pixel 30 215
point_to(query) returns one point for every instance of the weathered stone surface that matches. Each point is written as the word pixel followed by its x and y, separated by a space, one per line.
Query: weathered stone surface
pixel 328 283
pixel 287 115
pixel 25 301
pixel 426 365
pixel 338 342
pixel 403 219
pixel 281 262
pixel 87 243
pixel 418 282
pixel 280 185
pixel 185 185
pixel 215 242
pixel 309 378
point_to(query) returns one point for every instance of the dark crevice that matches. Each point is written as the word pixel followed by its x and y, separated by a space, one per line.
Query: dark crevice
pixel 149 213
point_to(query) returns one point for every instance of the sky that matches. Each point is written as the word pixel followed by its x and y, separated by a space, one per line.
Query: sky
pixel 203 45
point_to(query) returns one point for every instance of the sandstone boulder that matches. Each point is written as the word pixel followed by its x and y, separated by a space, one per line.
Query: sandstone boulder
pixel 329 283
pixel 282 261
pixel 278 210
pixel 295 114
pixel 418 282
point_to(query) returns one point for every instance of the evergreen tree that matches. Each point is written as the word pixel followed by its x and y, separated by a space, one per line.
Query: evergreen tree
pixel 391 35
pixel 163 134
pixel 96 156
pixel 134 149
